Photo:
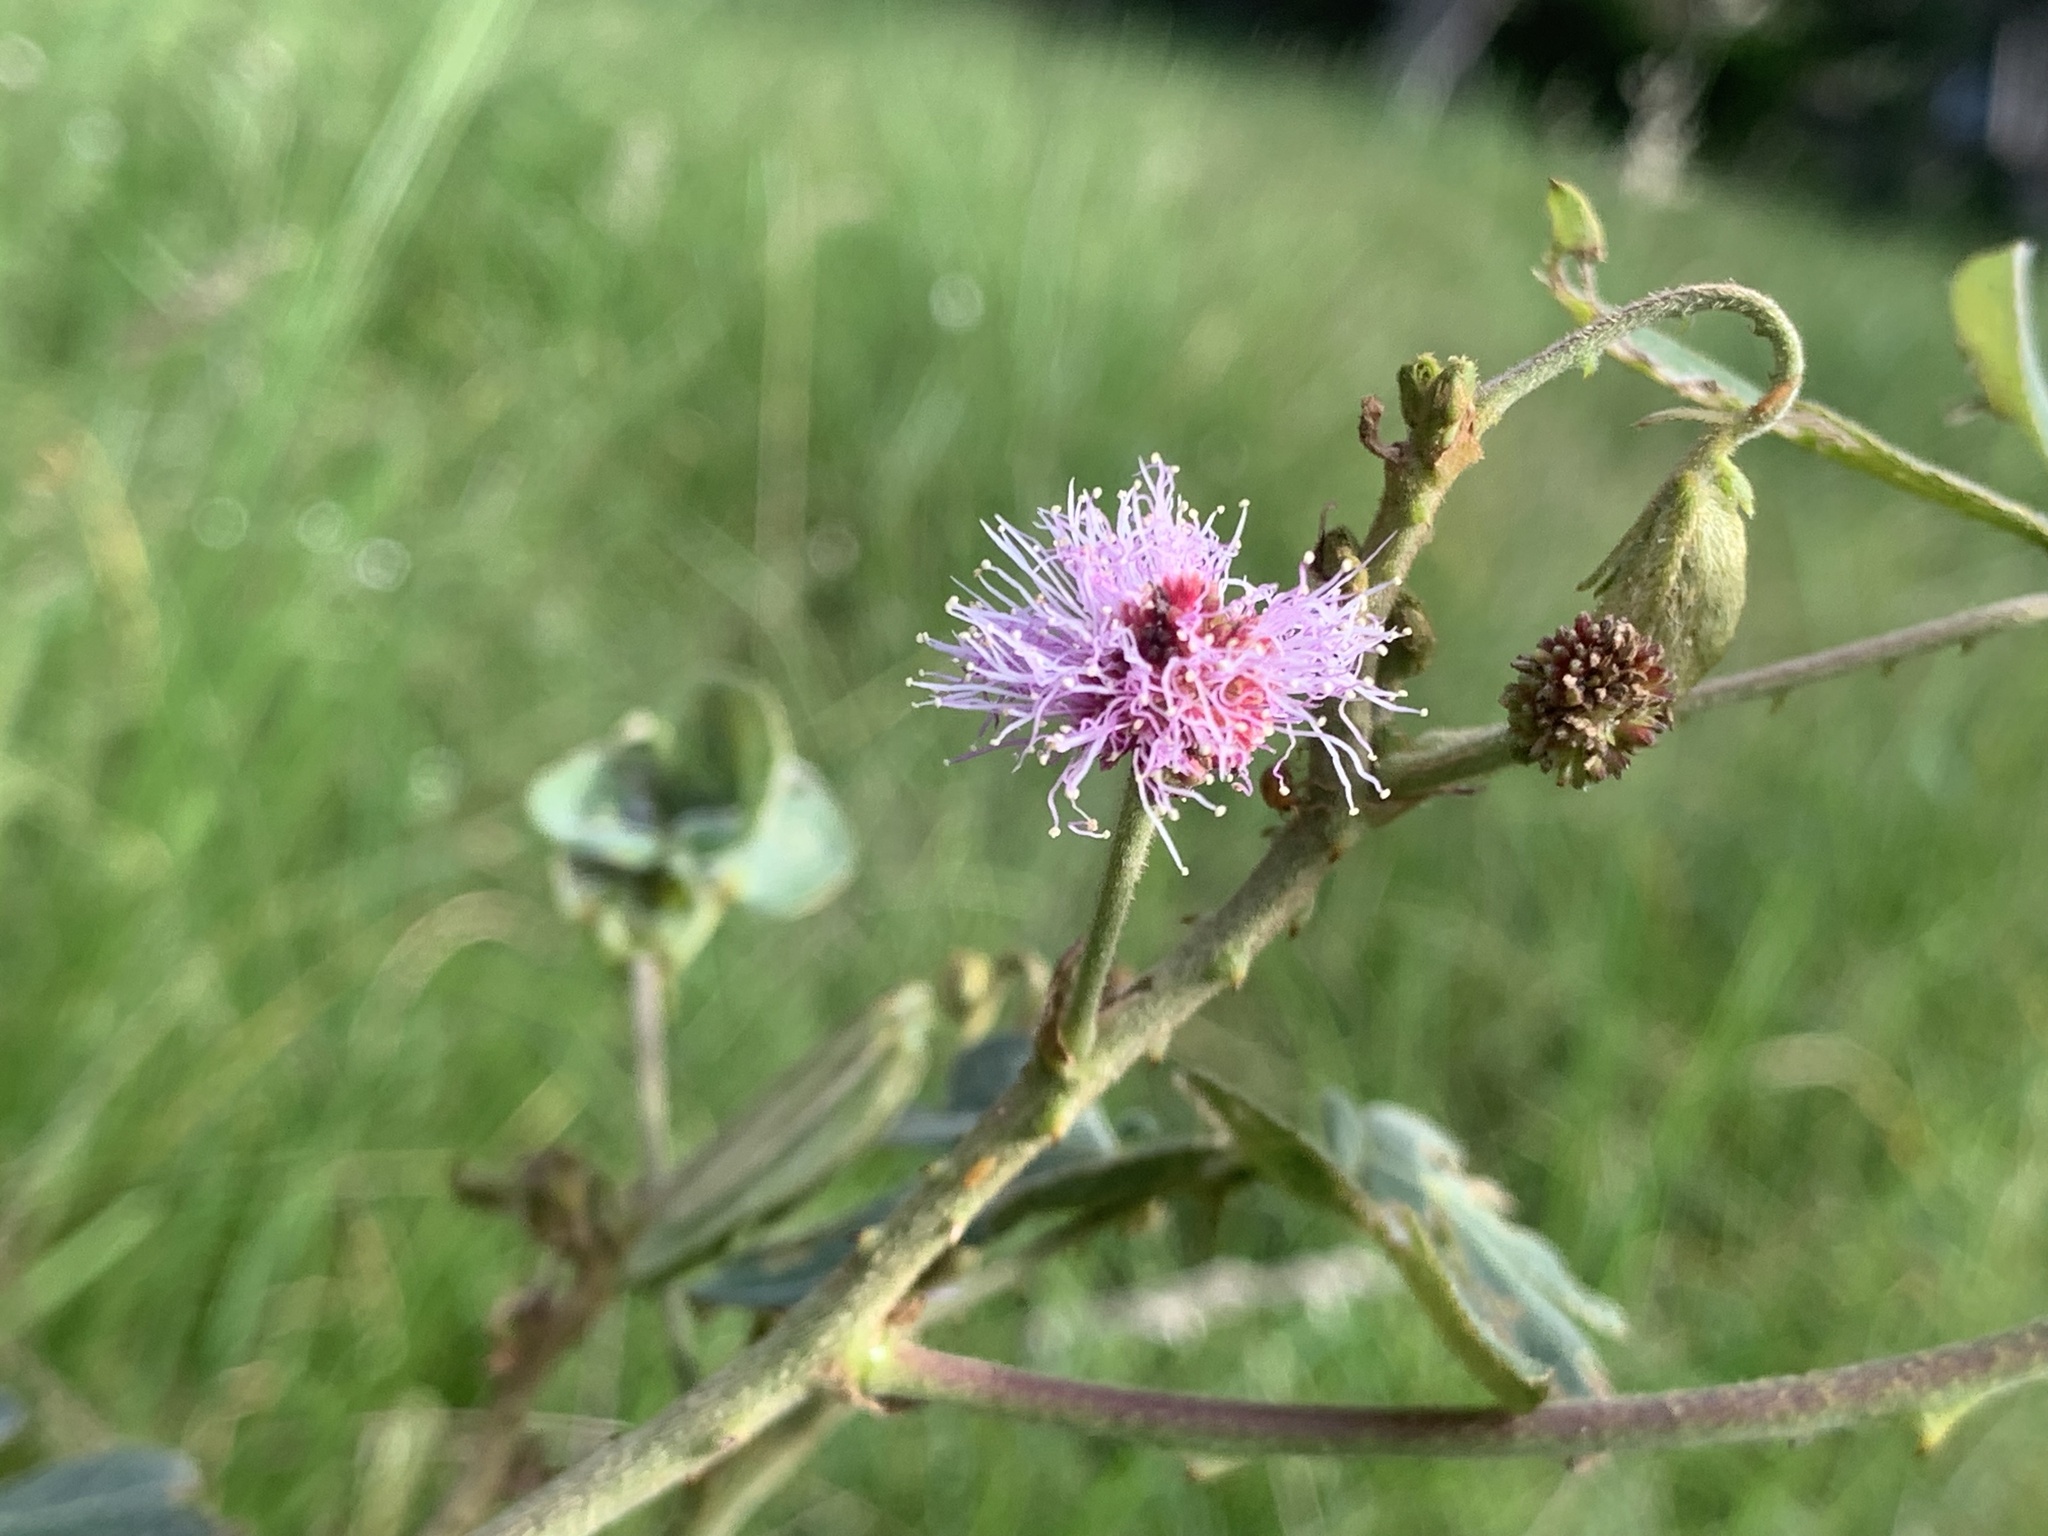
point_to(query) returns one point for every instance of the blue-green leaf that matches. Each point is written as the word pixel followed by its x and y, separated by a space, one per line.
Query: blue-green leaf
pixel 978 1076
pixel 127 1491
pixel 778 1275
pixel 798 854
pixel 1512 1279
pixel 668 821
pixel 1500 1296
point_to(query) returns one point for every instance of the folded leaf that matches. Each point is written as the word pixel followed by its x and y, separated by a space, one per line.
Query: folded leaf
pixel 1991 301
pixel 667 815
pixel 778 1275
pixel 1511 1278
pixel 806 1126
pixel 799 853
pixel 1499 1295
pixel 1107 1184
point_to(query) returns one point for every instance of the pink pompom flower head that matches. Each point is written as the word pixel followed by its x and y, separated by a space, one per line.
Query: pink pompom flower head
pixel 1130 638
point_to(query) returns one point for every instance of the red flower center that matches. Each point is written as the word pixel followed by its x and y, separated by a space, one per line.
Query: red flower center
pixel 1159 621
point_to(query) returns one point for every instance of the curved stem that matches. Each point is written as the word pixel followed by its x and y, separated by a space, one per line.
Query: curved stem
pixel 1128 845
pixel 1584 346
pixel 1936 1384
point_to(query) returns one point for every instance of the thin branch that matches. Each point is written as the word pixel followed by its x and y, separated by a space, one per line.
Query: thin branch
pixel 834 1325
pixel 1809 424
pixel 1446 757
pixel 648 984
pixel 1964 629
pixel 1936 1384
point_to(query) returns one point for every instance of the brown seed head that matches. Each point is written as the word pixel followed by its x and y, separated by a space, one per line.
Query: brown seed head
pixel 1591 693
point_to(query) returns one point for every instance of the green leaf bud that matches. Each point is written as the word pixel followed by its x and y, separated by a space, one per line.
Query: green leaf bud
pixel 1575 229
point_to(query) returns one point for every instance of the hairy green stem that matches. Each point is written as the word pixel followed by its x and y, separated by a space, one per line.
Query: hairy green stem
pixel 1935 1384
pixel 1446 757
pixel 1128 845
pixel 1574 352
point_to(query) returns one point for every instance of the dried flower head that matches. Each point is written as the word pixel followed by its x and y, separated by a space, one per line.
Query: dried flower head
pixel 1592 692
pixel 1129 637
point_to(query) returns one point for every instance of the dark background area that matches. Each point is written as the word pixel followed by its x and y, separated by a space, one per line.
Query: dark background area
pixel 1930 108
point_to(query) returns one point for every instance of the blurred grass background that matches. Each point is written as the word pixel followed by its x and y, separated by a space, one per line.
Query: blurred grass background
pixel 390 396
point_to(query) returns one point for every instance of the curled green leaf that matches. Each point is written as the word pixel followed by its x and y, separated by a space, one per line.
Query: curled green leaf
pixel 798 854
pixel 1991 302
pixel 669 821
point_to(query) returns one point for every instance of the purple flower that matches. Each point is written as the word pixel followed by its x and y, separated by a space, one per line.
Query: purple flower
pixel 1130 638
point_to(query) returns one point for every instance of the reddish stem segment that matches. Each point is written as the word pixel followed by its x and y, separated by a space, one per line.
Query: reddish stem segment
pixel 1937 1384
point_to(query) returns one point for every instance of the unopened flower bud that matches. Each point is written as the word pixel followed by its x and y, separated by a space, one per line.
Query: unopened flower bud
pixel 1592 693
pixel 1681 573
pixel 1437 401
